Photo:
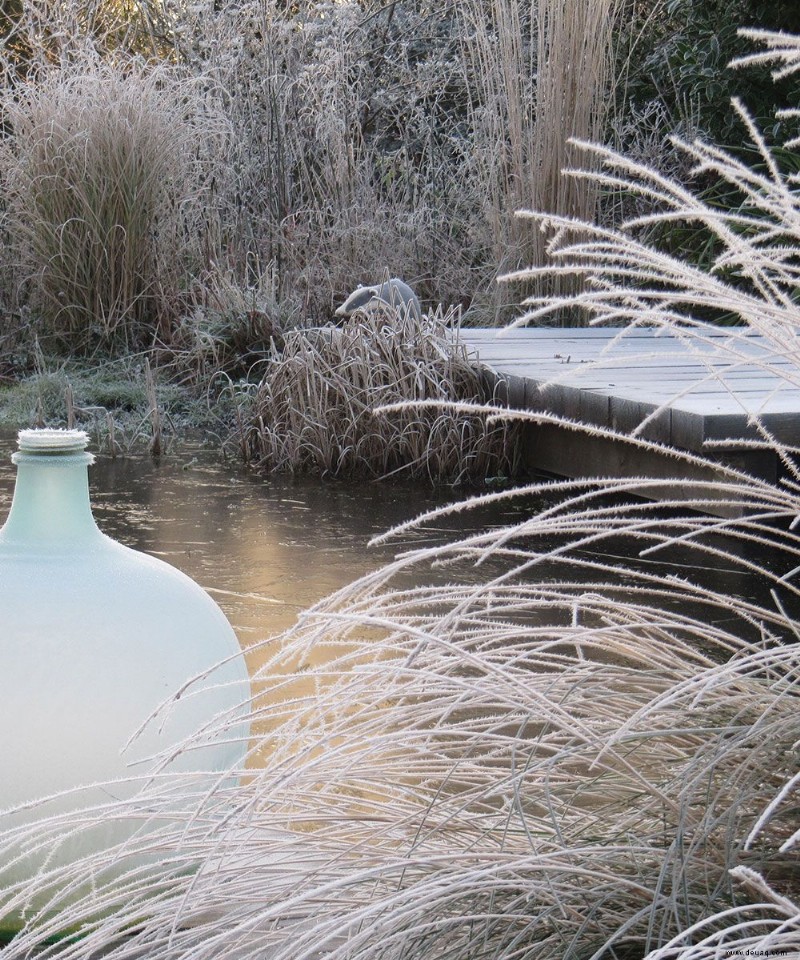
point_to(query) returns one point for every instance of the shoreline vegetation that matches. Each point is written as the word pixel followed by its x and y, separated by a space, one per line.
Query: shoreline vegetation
pixel 304 407
pixel 577 756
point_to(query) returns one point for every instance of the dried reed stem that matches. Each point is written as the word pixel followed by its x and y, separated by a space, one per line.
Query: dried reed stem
pixel 154 412
pixel 575 56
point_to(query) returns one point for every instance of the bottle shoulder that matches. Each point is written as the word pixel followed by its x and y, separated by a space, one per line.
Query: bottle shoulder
pixel 98 566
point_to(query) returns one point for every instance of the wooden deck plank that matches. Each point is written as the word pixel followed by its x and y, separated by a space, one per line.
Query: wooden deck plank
pixel 572 363
pixel 590 344
pixel 573 360
pixel 688 395
pixel 671 384
pixel 713 390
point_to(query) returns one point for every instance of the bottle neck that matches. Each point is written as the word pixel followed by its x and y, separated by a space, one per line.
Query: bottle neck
pixel 51 501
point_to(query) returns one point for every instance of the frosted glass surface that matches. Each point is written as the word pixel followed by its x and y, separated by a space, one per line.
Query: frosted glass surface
pixel 95 637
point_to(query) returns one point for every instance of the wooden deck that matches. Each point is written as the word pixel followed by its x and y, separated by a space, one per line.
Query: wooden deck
pixel 693 392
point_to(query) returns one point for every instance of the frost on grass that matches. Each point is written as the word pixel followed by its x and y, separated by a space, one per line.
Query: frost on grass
pixel 315 407
pixel 558 744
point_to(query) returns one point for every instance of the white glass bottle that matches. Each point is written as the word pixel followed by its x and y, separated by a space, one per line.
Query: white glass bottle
pixel 94 637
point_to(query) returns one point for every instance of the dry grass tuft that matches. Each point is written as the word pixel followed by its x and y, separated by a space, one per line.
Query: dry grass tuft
pixel 314 410
pixel 106 186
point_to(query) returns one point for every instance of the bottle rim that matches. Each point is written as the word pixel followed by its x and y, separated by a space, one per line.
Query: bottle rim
pixel 54 445
pixel 52 440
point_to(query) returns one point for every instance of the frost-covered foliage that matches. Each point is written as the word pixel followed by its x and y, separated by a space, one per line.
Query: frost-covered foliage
pixel 108 200
pixel 367 136
pixel 313 411
pixel 673 58
pixel 555 744
pixel 362 136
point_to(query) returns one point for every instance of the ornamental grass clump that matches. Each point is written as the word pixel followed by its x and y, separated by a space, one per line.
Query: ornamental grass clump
pixel 106 178
pixel 315 407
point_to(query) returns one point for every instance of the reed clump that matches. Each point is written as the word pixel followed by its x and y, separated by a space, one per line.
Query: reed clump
pixel 575 54
pixel 315 409
pixel 105 178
